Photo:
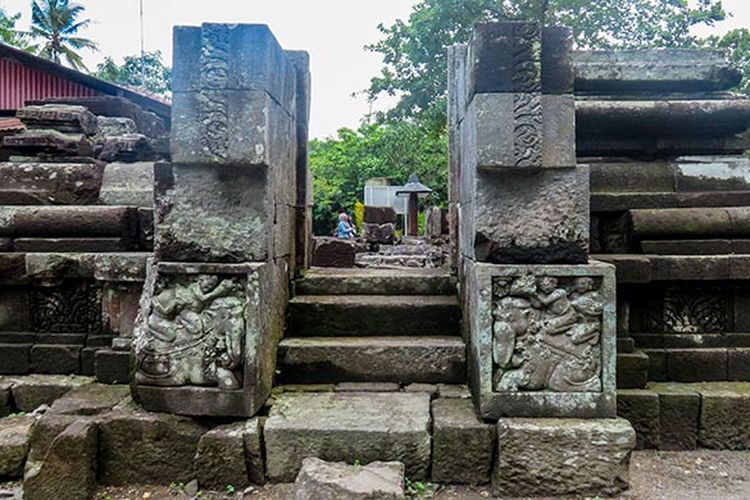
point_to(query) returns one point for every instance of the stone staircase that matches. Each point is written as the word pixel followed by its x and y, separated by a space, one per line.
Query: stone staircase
pixel 373 325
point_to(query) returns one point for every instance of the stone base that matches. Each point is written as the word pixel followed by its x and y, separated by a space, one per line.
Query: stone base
pixel 240 321
pixel 553 457
pixel 552 365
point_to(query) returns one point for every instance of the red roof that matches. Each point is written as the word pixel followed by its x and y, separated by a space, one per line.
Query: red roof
pixel 11 125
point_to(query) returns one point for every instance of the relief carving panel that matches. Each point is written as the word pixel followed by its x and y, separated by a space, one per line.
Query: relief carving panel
pixel 194 332
pixel 72 307
pixel 547 333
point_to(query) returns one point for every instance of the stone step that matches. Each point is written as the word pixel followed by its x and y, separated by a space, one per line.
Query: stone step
pixel 348 427
pixel 376 282
pixel 397 261
pixel 373 359
pixel 361 315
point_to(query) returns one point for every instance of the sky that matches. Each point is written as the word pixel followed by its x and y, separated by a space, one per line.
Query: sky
pixel 333 31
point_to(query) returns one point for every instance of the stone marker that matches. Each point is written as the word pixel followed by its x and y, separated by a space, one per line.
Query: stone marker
pixel 320 480
pixel 333 252
pixel 554 457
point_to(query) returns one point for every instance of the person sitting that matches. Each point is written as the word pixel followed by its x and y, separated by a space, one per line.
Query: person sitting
pixel 344 230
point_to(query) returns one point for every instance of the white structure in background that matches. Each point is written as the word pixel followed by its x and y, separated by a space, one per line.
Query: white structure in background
pixel 379 193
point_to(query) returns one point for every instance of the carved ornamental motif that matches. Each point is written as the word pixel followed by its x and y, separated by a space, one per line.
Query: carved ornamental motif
pixel 215 61
pixel 547 334
pixel 691 310
pixel 527 130
pixel 72 307
pixel 194 333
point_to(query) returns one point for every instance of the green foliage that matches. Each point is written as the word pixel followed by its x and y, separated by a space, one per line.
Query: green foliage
pixel 55 24
pixel 359 215
pixel 342 164
pixel 231 489
pixel 414 51
pixel 8 33
pixel 737 45
pixel 419 489
pixel 158 77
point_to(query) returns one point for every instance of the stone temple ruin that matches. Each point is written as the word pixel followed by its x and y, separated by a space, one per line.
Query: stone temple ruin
pixel 160 320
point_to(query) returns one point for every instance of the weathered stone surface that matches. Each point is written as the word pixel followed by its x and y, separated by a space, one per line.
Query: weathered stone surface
pixel 56 359
pixel 220 459
pixel 632 370
pixel 32 391
pixel 114 125
pixel 691 223
pixel 6 397
pixel 462 445
pixel 738 364
pixel 77 221
pixel 90 399
pixel 333 252
pixel 62 117
pixel 680 410
pixel 73 245
pixel 546 142
pixel 345 427
pixel 367 387
pixel 112 367
pixel 14 445
pixel 460 391
pixel 339 315
pixel 724 423
pixel 541 217
pixel 380 215
pixel 128 184
pixel 50 183
pixel 641 408
pixel 550 457
pixel 233 227
pixel 16 359
pixel 125 148
pixel 140 447
pixel 654 70
pixel 544 382
pixel 375 359
pixel 380 233
pixel 320 480
pixel 68 468
pixel 48 143
pixel 558 72
pixel 254 453
pixel 696 365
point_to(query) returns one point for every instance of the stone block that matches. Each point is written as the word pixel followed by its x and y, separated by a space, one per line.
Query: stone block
pixel 724 423
pixel 12 268
pixel 245 302
pixel 220 459
pixel 254 453
pixel 555 457
pixel 320 480
pixel 380 215
pixel 369 387
pixel 680 410
pixel 68 469
pixel 459 391
pixel 14 308
pixel 632 370
pixel 68 221
pixel 16 359
pixel 56 359
pixel 73 245
pixel 206 125
pixel 524 131
pixel 6 397
pixel 558 72
pixel 380 233
pixel 339 426
pixel 696 365
pixel 527 218
pixel 14 445
pixel 32 391
pixel 567 366
pixel 232 57
pixel 641 408
pixel 632 176
pixel 87 360
pixel 115 125
pixel 690 223
pixel 738 364
pixel 128 184
pixel 462 445
pixel 49 142
pixel 680 70
pixel 504 57
pixel 62 117
pixel 45 183
pixel 112 367
pixel 657 364
pixel 333 252
pixel 137 447
pixel 90 399
pixel 234 227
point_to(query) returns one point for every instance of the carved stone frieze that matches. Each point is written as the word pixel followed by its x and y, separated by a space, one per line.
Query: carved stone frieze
pixel 194 332
pixel 689 310
pixel 527 130
pixel 546 333
pixel 71 307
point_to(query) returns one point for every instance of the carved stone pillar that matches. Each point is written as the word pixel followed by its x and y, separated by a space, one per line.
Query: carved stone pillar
pixel 540 317
pixel 212 310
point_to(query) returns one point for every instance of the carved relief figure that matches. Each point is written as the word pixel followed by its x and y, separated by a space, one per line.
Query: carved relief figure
pixel 546 336
pixel 195 332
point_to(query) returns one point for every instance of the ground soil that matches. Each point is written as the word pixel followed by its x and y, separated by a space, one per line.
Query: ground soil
pixel 693 475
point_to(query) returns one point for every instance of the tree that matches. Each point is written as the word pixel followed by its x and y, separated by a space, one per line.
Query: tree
pixel 56 24
pixel 414 51
pixel 8 33
pixel 342 164
pixel 158 77
pixel 737 45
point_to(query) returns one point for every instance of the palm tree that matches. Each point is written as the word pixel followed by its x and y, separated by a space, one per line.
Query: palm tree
pixel 55 23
